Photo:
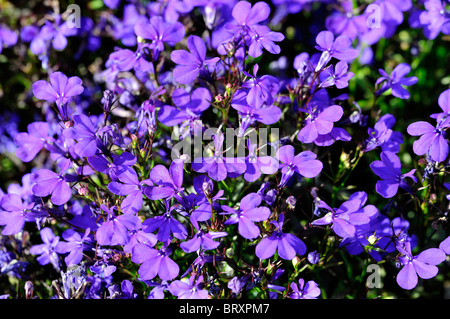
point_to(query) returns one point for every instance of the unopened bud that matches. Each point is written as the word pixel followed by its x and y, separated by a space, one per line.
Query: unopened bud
pixel 29 290
pixel 207 188
pixel 134 140
pixel 151 129
pixel 68 124
pixel 291 201
pixel 108 97
pixel 83 190
pixel 270 268
pixel 296 262
pixel 313 257
pixel 230 48
pixel 345 159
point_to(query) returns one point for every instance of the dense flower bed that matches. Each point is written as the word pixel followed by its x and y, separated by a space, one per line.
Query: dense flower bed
pixel 224 149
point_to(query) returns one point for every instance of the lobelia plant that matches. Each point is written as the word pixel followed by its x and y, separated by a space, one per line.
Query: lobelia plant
pixel 212 150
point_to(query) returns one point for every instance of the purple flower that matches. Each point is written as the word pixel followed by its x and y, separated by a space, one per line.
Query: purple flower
pixel 60 88
pixel 266 114
pixel 154 262
pixel 115 229
pixel 260 89
pixel 432 141
pixel 263 37
pixel 102 269
pixel 389 170
pixel 103 164
pixel 188 110
pixel 7 37
pixel 396 81
pixel 247 16
pixel 310 290
pixel 444 103
pixel 336 134
pixel 189 289
pixel 268 195
pixel 380 234
pixel 202 240
pixel 304 163
pixel 345 21
pixel 47 250
pixel 245 29
pixel 112 4
pixel 199 262
pixel 170 9
pixel 247 214
pixel 47 182
pixel 339 48
pixel 29 144
pixel 139 235
pixel 435 18
pixel 128 185
pixel 158 291
pixel 383 136
pixel 85 133
pixel 236 284
pixel 319 122
pixel 445 244
pixel 126 59
pixel 146 114
pixel 14 214
pixel 423 265
pixel 288 245
pixel 190 65
pixel 217 166
pixel 124 292
pixel 166 225
pixel 52 33
pixel 159 32
pixel 392 11
pixel 350 215
pixel 313 257
pixel 123 29
pixel 204 201
pixel 339 77
pixel 74 244
pixel 258 164
pixel 166 183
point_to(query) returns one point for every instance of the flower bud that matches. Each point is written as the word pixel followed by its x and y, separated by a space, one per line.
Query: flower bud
pixel 151 130
pixel 313 257
pixel 207 189
pixel 345 160
pixel 230 48
pixel 296 262
pixel 68 124
pixel 107 100
pixel 29 290
pixel 134 140
pixel 83 190
pixel 291 201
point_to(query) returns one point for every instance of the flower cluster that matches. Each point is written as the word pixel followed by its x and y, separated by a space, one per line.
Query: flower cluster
pixel 196 156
